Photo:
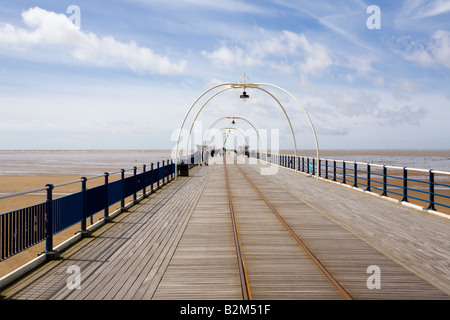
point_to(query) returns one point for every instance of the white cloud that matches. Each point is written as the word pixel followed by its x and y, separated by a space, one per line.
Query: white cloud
pixel 403 89
pixel 430 8
pixel 52 30
pixel 436 52
pixel 283 51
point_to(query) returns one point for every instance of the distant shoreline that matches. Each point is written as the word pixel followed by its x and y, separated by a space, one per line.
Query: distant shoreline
pixel 100 161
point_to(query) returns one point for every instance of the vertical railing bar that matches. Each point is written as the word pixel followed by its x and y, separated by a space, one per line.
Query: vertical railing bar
pixel 151 177
pixel 122 177
pixel 368 177
pixel 164 170
pixel 145 180
pixel 2 242
pixel 319 167
pixel 20 239
pixel 84 202
pixel 135 183
pixel 313 166
pixel 431 206
pixel 343 172
pixel 49 219
pixel 384 181
pixel 157 176
pixel 405 185
pixel 106 210
pixel 334 170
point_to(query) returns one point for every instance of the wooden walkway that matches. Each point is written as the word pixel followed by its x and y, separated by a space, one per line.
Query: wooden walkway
pixel 178 244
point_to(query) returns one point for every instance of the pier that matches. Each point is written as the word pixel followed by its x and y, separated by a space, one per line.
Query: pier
pixel 225 231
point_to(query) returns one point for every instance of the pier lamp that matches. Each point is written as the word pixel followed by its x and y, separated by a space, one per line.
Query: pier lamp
pixel 244 96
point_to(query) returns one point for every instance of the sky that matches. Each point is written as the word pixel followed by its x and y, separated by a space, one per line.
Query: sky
pixel 123 74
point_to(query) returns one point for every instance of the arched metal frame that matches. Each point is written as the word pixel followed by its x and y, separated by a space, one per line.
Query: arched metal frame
pixel 244 86
pixel 204 105
pixel 230 133
pixel 231 128
pixel 233 133
pixel 254 126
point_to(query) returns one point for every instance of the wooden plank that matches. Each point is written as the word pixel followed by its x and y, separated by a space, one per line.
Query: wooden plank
pixel 103 258
pixel 179 245
pixel 204 265
pixel 334 234
pixel 277 267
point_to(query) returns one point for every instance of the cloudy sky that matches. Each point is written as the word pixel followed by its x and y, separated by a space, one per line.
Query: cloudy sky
pixel 122 74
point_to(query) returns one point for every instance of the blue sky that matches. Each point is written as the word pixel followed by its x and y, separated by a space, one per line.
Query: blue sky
pixel 126 76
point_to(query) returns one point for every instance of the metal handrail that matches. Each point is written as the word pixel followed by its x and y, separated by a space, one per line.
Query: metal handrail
pixel 353 174
pixel 10 195
pixel 18 227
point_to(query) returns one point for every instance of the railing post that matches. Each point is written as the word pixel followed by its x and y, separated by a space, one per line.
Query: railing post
pixel 334 170
pixel 368 177
pixel 164 173
pixel 106 210
pixel 157 175
pixel 355 171
pixel 49 219
pixel 405 185
pixel 145 180
pixel 326 169
pixel 384 181
pixel 152 175
pixel 168 170
pixel 122 176
pixel 313 166
pixel 84 193
pixel 318 166
pixel 343 172
pixel 135 183
pixel 431 206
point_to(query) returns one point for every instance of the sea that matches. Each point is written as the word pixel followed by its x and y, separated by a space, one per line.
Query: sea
pixel 96 162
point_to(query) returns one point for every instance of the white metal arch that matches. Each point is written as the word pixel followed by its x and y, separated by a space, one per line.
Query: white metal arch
pixel 217 93
pixel 254 126
pixel 230 128
pixel 244 86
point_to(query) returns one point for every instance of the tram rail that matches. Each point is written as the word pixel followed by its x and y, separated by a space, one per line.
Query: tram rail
pixel 241 257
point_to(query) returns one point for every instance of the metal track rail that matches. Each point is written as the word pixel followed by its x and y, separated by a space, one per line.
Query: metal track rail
pixel 318 264
pixel 242 272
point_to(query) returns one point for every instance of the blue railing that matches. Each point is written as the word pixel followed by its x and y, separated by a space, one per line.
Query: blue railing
pixel 23 228
pixel 429 189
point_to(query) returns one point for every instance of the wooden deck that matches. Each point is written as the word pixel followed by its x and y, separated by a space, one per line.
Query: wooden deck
pixel 178 244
